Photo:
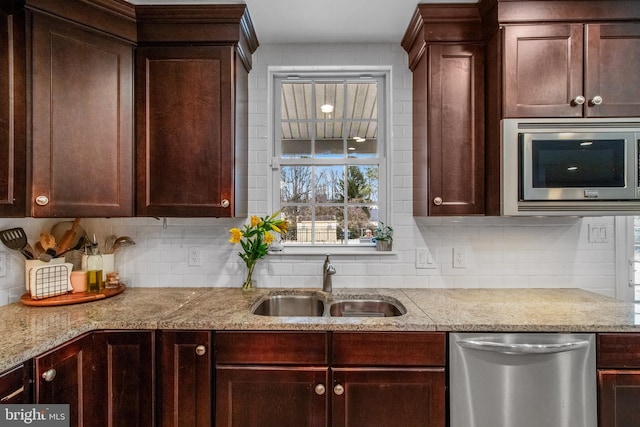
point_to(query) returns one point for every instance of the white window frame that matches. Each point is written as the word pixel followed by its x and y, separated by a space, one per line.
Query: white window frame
pixel 384 141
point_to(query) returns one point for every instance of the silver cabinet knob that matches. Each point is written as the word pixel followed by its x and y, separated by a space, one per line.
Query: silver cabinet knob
pixel 200 350
pixel 579 100
pixel 49 375
pixel 42 200
pixel 320 389
pixel 437 201
pixel 225 203
pixel 338 389
pixel 596 100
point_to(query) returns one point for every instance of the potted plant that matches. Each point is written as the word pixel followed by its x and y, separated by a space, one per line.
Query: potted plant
pixel 384 237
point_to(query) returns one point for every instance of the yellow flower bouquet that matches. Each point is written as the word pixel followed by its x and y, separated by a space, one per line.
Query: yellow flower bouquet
pixel 255 239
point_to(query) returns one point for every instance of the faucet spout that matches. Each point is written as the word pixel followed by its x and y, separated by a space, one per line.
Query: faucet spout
pixel 328 270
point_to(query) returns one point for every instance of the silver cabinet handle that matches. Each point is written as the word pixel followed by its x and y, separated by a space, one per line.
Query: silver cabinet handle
pixel 437 201
pixel 49 375
pixel 597 100
pixel 338 389
pixel 225 203
pixel 579 100
pixel 200 350
pixel 42 200
pixel 506 348
pixel 320 389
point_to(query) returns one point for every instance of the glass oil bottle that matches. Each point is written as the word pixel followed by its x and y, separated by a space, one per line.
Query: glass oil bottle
pixel 94 268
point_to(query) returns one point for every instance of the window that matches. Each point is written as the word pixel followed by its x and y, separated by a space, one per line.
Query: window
pixel 636 259
pixel 329 157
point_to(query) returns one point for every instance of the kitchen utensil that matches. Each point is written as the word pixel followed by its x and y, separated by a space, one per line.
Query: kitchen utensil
pixel 79 245
pixel 108 243
pixel 48 243
pixel 16 238
pixel 59 229
pixel 68 239
pixel 121 242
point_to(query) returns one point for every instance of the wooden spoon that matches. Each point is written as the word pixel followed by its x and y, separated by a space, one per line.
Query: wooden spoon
pixel 48 243
pixel 68 239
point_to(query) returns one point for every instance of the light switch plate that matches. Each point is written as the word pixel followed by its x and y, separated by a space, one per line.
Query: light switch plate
pixel 424 258
pixel 3 263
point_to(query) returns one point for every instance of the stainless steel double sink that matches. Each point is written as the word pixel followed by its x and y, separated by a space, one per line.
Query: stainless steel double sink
pixel 317 306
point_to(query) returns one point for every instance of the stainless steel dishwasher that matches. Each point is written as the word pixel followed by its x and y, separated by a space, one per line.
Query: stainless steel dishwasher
pixel 522 380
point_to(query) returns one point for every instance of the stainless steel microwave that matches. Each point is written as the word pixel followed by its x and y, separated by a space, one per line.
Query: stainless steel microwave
pixel 570 167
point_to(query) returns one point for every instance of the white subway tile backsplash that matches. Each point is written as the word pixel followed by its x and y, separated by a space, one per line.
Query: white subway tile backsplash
pixel 501 252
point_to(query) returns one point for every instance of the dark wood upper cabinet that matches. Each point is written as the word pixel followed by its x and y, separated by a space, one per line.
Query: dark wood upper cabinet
pixel 446 57
pixel 572 70
pixel 191 110
pixel 82 111
pixel 13 110
pixel 543 70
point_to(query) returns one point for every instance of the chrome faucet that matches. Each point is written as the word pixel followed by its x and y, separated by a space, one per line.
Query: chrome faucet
pixel 328 270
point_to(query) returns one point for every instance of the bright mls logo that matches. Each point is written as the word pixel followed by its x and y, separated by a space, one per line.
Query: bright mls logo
pixel 34 415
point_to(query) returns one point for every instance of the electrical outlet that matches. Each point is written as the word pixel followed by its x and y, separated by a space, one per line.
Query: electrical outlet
pixel 3 263
pixel 194 256
pixel 459 258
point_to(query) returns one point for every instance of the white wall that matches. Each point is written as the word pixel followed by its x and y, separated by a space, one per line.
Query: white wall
pixel 500 252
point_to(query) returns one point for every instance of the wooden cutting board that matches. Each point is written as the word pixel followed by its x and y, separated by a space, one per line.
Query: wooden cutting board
pixel 74 298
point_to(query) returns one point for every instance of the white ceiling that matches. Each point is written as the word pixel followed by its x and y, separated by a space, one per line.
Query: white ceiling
pixel 325 21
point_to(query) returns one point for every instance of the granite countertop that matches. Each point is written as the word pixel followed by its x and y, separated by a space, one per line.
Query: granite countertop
pixel 30 331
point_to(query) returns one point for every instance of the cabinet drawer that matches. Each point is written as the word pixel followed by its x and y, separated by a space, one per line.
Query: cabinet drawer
pixel 618 351
pixel 285 348
pixel 389 348
pixel 12 385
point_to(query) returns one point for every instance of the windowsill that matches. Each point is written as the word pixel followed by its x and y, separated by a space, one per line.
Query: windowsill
pixel 332 250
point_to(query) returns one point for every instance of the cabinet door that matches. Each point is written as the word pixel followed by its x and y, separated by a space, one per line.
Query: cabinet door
pixel 14 385
pixel 271 396
pixel 13 119
pixel 186 375
pixel 82 121
pixel 456 130
pixel 364 397
pixel 619 394
pixel 613 61
pixel 185 134
pixel 124 383
pixel 543 70
pixel 64 375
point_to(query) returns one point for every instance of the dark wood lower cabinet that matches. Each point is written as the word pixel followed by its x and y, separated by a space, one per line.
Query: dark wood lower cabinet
pixel 123 378
pixel 618 379
pixel 64 375
pixel 15 385
pixel 185 392
pixel 272 396
pixel 364 397
pixel 330 379
pixel 619 395
pixel 106 377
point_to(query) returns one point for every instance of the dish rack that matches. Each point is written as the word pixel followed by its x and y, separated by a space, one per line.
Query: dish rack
pixel 46 280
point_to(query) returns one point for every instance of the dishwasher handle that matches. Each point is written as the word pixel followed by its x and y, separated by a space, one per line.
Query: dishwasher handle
pixel 521 348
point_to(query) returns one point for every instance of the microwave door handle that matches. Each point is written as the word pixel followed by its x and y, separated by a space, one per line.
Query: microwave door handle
pixel 506 348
